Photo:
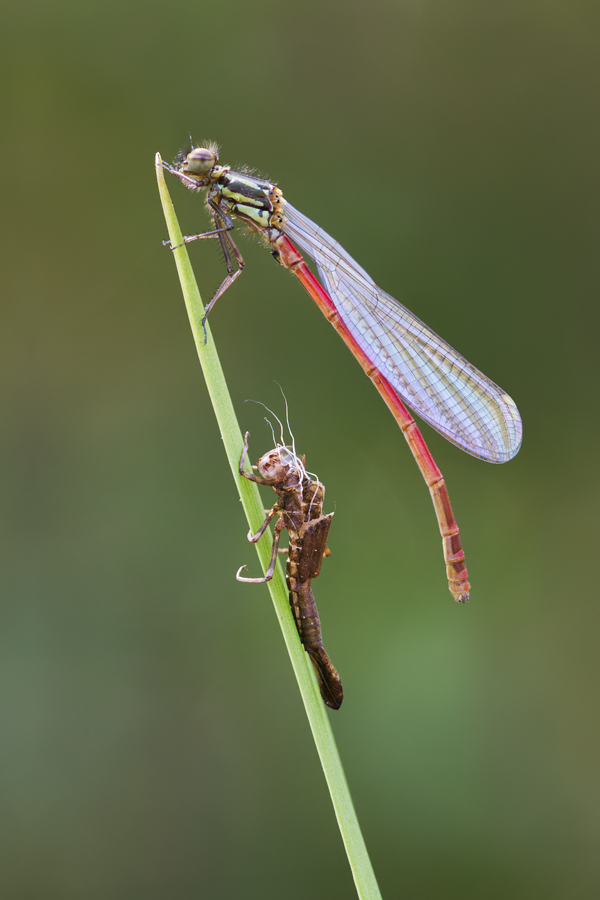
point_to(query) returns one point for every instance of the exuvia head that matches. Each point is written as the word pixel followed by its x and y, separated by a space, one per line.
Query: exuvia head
pixel 281 467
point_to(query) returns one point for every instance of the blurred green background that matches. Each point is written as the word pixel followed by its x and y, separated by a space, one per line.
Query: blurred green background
pixel 154 744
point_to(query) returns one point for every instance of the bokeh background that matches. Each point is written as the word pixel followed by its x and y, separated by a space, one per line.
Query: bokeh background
pixel 153 741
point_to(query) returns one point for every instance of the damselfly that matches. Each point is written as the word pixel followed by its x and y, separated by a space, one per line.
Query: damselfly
pixel 406 360
pixel 300 510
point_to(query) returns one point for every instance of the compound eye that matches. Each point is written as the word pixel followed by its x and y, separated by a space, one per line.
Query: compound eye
pixel 200 161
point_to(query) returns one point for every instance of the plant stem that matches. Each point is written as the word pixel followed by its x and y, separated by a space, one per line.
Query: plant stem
pixel 360 863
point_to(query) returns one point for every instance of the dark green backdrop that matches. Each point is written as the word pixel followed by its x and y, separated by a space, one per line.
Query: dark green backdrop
pixel 153 740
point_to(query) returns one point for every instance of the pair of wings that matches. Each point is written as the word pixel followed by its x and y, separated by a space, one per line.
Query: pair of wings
pixel 437 383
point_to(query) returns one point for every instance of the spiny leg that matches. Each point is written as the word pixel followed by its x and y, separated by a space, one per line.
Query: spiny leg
pixel 185 179
pixel 216 232
pixel 224 239
pixel 222 233
pixel 253 538
pixel 269 573
pixel 249 475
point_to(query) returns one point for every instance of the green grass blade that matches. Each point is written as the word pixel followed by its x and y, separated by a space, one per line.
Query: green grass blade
pixel 360 863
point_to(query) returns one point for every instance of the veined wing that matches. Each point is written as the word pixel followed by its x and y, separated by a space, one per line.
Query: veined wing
pixel 440 385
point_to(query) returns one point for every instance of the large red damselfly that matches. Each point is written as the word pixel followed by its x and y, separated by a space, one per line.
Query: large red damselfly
pixel 406 360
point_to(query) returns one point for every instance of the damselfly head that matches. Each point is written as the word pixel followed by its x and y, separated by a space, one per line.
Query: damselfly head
pixel 200 164
pixel 201 160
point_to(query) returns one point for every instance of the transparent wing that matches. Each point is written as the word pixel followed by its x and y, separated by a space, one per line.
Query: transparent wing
pixel 440 385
